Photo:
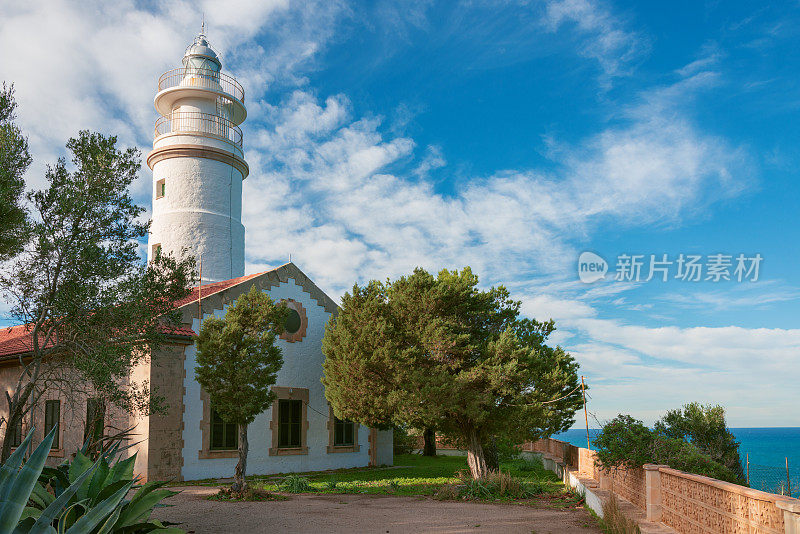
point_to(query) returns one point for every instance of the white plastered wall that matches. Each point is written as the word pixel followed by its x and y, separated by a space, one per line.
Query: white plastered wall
pixel 200 212
pixel 302 368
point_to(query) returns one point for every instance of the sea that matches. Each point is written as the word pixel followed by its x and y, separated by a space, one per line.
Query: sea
pixel 768 450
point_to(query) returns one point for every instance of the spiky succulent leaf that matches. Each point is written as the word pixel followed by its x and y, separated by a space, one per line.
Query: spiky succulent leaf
pixel 49 514
pixel 22 484
pixel 80 464
pixel 11 466
pixel 96 514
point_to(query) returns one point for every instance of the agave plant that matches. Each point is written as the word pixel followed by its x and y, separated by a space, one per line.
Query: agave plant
pixel 84 497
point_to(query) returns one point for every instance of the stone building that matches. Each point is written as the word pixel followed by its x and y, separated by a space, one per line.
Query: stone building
pixel 198 167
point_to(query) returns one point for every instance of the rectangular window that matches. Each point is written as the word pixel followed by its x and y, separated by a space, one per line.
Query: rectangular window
pixel 52 416
pixel 290 413
pixel 95 420
pixel 161 188
pixel 155 249
pixel 224 436
pixel 342 433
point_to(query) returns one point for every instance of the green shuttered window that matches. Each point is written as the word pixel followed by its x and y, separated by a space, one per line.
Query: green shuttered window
pixel 342 433
pixel 290 414
pixel 52 416
pixel 224 436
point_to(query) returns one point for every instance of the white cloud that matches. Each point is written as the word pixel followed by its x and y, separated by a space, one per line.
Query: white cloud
pixel 750 295
pixel 605 37
pixel 350 198
pixel 647 370
pixel 315 165
pixel 95 65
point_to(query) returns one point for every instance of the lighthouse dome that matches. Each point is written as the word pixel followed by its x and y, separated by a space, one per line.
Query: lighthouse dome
pixel 200 55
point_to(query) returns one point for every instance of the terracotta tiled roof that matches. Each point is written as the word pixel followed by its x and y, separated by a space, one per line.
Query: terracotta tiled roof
pixel 215 287
pixel 16 340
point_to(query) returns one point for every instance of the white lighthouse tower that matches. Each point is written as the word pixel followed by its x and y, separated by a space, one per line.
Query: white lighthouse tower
pixel 198 164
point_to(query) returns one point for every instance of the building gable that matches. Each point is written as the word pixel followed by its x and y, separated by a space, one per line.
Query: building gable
pixel 217 295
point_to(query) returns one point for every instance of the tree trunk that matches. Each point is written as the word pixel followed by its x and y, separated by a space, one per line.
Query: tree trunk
pixel 475 457
pixel 429 446
pixel 16 411
pixel 13 418
pixel 239 483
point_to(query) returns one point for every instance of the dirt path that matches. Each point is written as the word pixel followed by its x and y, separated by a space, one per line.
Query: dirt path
pixel 365 513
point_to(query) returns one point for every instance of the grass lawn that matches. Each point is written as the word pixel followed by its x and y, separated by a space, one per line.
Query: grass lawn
pixel 419 475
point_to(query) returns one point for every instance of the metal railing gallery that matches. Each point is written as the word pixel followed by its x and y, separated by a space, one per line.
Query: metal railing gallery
pixel 203 79
pixel 197 122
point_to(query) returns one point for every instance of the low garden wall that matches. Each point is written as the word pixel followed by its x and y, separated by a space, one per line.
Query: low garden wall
pixel 672 499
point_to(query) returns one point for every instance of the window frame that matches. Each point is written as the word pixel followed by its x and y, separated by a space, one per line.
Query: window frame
pixel 295 394
pixel 161 188
pixel 300 333
pixel 49 424
pixel 206 452
pixel 332 423
pixel 225 429
pixel 341 426
pixel 290 423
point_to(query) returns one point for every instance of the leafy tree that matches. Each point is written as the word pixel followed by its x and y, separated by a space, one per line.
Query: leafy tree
pixel 625 442
pixel 238 362
pixel 14 161
pixel 437 352
pixel 705 427
pixel 93 309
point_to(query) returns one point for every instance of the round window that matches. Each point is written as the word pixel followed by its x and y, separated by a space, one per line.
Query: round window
pixel 293 321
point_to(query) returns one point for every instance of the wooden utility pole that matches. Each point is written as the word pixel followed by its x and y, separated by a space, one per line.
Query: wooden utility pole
pixel 748 468
pixel 788 480
pixel 585 415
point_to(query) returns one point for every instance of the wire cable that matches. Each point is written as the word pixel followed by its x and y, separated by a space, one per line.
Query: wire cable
pixel 550 401
pixel 314 409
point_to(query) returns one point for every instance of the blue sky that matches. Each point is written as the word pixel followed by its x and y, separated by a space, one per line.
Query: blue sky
pixel 509 136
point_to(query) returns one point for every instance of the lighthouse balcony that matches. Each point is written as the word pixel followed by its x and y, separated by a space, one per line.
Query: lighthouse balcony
pixel 186 82
pixel 197 123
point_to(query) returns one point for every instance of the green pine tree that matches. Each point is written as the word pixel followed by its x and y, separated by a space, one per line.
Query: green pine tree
pixel 14 161
pixel 437 352
pixel 238 363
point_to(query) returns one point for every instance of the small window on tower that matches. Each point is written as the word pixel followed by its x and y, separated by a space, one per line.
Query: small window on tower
pixel 155 249
pixel 161 188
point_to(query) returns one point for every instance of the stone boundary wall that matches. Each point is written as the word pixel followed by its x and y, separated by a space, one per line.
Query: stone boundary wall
pixel 663 500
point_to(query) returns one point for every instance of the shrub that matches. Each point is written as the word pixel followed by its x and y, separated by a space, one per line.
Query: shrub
pixel 704 427
pixel 625 442
pixel 83 496
pixel 498 485
pixel 331 484
pixel 295 484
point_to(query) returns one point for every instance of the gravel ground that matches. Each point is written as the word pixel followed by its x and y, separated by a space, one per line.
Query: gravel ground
pixel 365 513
